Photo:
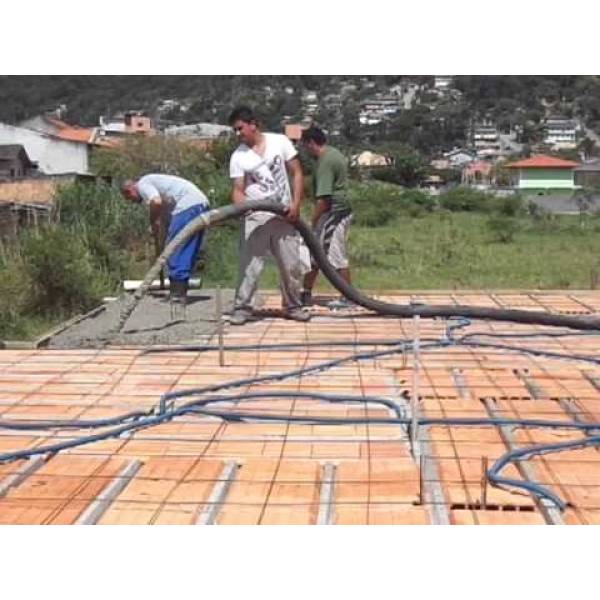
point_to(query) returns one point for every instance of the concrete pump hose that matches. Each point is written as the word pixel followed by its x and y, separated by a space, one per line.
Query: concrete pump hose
pixel 232 211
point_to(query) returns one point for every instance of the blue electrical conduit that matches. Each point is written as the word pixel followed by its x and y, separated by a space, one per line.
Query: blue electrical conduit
pixel 144 420
pixel 197 407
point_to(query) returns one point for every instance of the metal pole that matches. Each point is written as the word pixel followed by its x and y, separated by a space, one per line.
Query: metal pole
pixel 325 516
pixel 421 480
pixel 219 317
pixel 415 388
pixel 484 481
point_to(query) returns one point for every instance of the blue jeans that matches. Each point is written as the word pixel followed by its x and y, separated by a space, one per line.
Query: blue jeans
pixel 182 261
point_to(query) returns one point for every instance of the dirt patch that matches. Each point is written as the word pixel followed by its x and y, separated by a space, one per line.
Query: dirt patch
pixel 149 324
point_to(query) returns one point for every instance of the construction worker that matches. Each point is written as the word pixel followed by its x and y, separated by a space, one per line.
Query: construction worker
pixel 179 201
pixel 332 214
pixel 261 164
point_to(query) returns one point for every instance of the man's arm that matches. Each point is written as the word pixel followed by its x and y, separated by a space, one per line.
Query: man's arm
pixel 237 191
pixel 295 171
pixel 155 210
pixel 322 205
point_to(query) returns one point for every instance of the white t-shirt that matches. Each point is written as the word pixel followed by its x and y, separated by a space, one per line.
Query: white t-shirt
pixel 179 194
pixel 266 174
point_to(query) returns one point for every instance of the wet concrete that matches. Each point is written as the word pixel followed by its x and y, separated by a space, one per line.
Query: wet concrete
pixel 150 323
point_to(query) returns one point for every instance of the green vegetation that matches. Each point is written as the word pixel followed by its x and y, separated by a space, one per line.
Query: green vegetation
pixel 469 240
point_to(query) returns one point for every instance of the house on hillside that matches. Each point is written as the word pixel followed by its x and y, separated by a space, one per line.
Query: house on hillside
pixel 377 109
pixel 199 131
pixel 442 82
pixel 477 173
pixel 128 123
pixel 61 129
pixel 544 172
pixel 54 153
pixel 27 202
pixel 458 157
pixel 588 174
pixel 486 140
pixel 14 162
pixel 368 159
pixel 561 133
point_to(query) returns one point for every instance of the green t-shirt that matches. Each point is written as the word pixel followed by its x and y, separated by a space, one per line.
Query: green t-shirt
pixel 330 178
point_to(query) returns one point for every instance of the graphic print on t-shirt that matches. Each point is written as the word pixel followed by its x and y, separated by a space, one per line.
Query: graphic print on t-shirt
pixel 272 179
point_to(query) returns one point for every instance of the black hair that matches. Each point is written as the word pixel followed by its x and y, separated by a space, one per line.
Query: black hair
pixel 242 113
pixel 314 134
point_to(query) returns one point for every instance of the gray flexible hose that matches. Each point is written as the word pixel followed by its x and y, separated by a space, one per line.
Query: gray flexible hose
pixel 224 213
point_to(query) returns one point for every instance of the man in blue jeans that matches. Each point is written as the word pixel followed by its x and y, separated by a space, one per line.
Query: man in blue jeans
pixel 179 201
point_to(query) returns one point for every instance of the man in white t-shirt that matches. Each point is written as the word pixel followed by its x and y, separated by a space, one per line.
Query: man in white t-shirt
pixel 259 168
pixel 177 201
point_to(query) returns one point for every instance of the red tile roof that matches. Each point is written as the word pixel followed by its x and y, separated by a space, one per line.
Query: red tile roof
pixel 541 161
pixel 76 134
pixel 72 133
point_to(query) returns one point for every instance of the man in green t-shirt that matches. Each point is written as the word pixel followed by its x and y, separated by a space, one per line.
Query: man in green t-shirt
pixel 332 214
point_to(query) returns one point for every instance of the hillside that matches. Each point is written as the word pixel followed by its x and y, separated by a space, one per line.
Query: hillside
pixel 428 120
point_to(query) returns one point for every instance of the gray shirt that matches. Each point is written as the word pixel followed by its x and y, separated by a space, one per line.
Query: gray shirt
pixel 178 193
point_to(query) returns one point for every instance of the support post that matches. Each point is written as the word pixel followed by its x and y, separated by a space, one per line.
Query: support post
pixel 219 317
pixel 484 481
pixel 414 429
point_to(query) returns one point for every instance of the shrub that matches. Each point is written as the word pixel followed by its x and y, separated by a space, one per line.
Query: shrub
pixel 220 254
pixel 374 203
pixel 61 271
pixel 14 294
pixel 465 199
pixel 420 199
pixel 510 206
pixel 503 228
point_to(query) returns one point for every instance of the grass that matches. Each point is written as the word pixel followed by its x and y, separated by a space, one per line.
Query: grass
pixel 459 251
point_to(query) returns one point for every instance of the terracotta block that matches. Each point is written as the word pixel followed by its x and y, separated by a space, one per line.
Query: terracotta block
pixel 26 512
pixel 298 471
pixel 205 470
pixel 166 468
pixel 192 491
pixel 127 515
pixel 350 514
pixel 509 518
pixel 248 493
pixel 289 515
pixel 462 517
pixel 351 492
pixel 383 450
pixel 293 449
pixel 397 515
pixel 293 493
pixel 336 450
pixel 147 490
pixel 49 487
pixel 392 491
pixel 239 515
pixel 68 514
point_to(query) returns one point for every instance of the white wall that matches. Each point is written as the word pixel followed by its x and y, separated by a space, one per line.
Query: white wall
pixel 53 156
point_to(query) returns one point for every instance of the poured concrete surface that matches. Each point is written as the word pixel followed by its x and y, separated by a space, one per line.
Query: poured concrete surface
pixel 149 324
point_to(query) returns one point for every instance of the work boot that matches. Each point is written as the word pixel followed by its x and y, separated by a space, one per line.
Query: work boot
pixel 239 316
pixel 306 297
pixel 178 299
pixel 297 314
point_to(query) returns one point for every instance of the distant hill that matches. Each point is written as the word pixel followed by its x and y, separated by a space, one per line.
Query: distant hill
pixel 434 123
